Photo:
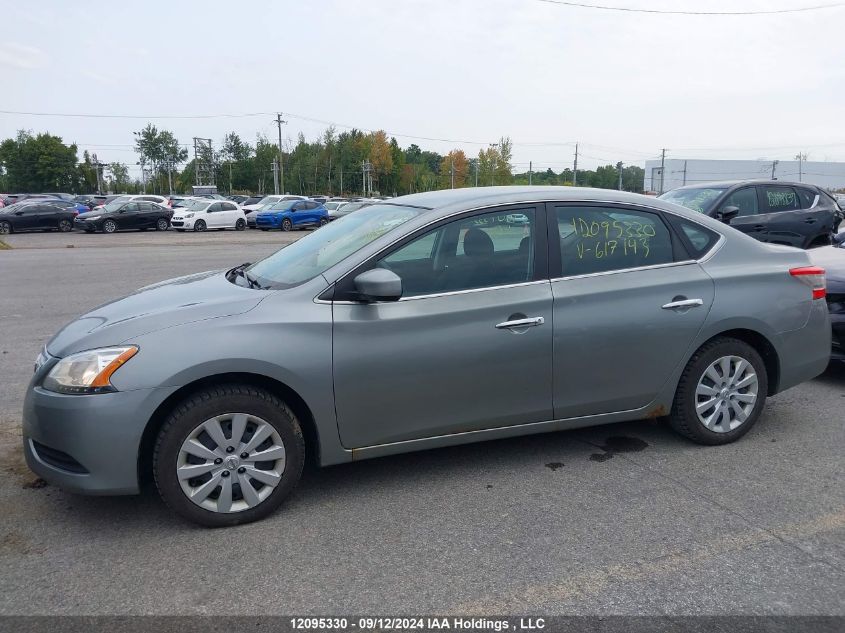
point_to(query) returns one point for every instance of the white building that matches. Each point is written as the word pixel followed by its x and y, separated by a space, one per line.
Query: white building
pixel 678 172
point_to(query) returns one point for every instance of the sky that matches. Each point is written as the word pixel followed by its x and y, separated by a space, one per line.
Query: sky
pixel 623 84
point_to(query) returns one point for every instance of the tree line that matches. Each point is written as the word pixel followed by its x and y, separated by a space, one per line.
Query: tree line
pixel 349 162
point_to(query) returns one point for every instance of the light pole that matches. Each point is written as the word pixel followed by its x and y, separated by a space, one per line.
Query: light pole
pixel 494 147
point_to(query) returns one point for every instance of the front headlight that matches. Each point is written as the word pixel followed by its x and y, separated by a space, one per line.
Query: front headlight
pixel 189 215
pixel 88 372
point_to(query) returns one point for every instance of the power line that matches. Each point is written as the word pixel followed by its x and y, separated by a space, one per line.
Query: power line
pixel 135 116
pixel 585 5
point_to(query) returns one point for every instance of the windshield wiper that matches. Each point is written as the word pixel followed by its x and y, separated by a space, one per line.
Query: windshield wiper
pixel 251 282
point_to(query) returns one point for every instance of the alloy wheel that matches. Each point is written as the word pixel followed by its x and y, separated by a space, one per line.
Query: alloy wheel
pixel 726 394
pixel 5 228
pixel 109 226
pixel 65 226
pixel 199 225
pixel 161 225
pixel 286 225
pixel 231 463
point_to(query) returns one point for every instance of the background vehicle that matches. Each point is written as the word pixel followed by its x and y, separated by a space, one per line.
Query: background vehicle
pixel 292 214
pixel 160 200
pixel 238 199
pixel 201 214
pixel 332 206
pixel 773 211
pixel 91 200
pixel 129 215
pixel 38 215
pixel 263 204
pixel 348 208
pixel 832 259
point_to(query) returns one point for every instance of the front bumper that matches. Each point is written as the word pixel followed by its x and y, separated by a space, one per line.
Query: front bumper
pixel 85 225
pixel 182 223
pixel 88 444
pixel 268 222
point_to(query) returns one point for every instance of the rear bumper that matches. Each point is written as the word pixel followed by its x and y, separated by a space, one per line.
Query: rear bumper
pixel 88 444
pixel 837 323
pixel 805 352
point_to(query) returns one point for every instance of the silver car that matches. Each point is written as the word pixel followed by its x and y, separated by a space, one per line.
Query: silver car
pixel 426 321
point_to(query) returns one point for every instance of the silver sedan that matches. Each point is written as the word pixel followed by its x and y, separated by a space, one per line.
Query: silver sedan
pixel 424 321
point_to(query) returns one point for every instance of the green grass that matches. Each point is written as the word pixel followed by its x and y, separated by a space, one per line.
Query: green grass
pixel 4 246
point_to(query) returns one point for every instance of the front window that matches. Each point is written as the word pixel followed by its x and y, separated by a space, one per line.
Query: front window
pixel 318 251
pixel 699 199
pixel 116 204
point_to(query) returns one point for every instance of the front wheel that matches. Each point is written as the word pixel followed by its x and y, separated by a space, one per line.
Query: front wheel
pixel 65 226
pixel 199 225
pixel 721 392
pixel 109 226
pixel 240 225
pixel 286 225
pixel 227 455
pixel 162 224
pixel 323 221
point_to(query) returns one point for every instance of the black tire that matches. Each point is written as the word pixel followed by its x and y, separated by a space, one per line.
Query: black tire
pixel 323 221
pixel 287 225
pixel 683 417
pixel 162 224
pixel 240 225
pixel 109 226
pixel 65 226
pixel 200 225
pixel 265 229
pixel 6 228
pixel 202 406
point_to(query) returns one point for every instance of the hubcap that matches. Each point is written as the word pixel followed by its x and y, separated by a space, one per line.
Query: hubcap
pixel 726 394
pixel 231 462
pixel 4 228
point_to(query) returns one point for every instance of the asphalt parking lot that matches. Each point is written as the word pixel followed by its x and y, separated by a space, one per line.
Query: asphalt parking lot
pixel 621 519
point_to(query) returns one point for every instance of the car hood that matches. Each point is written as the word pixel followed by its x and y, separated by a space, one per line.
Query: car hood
pixel 90 214
pixel 198 297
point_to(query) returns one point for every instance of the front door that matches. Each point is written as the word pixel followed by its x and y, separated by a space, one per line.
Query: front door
pixel 748 219
pixel 627 306
pixel 128 217
pixel 467 347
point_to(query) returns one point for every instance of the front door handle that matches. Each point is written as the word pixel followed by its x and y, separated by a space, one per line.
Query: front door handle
pixel 520 323
pixel 683 304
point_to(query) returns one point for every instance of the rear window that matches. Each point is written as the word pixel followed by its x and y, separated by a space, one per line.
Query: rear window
pixel 807 196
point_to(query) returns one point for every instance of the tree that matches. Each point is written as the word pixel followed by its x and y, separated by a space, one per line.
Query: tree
pixel 160 150
pixel 39 163
pixel 118 177
pixel 454 163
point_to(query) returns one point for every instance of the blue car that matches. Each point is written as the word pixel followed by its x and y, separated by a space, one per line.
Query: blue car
pixel 290 214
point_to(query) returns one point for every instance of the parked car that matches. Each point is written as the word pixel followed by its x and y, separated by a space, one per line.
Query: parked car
pixel 91 201
pixel 13 198
pixel 832 259
pixel 332 207
pixel 217 383
pixel 238 199
pixel 203 213
pixel 348 208
pixel 793 214
pixel 61 196
pixel 120 215
pixel 159 200
pixel 37 215
pixel 267 200
pixel 292 214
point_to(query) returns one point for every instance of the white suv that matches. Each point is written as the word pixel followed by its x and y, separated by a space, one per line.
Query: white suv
pixel 202 214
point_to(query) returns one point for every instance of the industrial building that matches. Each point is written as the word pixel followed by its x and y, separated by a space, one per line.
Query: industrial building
pixel 677 172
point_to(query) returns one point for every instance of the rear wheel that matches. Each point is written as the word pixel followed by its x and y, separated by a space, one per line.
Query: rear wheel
pixel 323 221
pixel 721 393
pixel 5 228
pixel 227 455
pixel 199 225
pixel 109 226
pixel 65 225
pixel 286 225
pixel 240 225
pixel 162 224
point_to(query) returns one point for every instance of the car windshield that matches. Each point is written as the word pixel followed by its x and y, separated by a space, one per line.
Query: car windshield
pixel 285 205
pixel 331 206
pixel 268 200
pixel 177 203
pixel 197 205
pixel 699 199
pixel 317 252
pixel 352 206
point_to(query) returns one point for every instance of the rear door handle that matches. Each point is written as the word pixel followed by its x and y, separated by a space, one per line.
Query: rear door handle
pixel 520 323
pixel 683 304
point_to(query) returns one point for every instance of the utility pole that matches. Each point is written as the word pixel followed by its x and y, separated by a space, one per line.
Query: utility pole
pixel 276 176
pixel 530 174
pixel 143 175
pixel 452 171
pixel 476 171
pixel 685 172
pixel 97 169
pixel 774 165
pixel 619 167
pixel 662 168
pixel 279 122
pixel 800 157
pixel 170 176
pixel 575 167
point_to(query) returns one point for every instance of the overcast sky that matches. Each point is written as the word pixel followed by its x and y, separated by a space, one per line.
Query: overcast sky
pixel 623 84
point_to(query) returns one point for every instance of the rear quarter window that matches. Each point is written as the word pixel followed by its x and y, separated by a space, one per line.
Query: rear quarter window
pixel 699 240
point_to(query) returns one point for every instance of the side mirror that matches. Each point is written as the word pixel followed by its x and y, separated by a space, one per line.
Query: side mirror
pixel 839 239
pixel 379 284
pixel 726 214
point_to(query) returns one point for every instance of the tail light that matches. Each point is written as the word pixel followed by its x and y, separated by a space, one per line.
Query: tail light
pixel 813 277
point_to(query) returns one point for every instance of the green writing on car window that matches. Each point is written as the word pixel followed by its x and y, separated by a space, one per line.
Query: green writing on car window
pixel 609 238
pixel 780 198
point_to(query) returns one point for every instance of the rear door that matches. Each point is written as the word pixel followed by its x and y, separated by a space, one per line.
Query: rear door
pixel 628 302
pixel 146 215
pixel 781 215
pixel 229 214
pixel 818 213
